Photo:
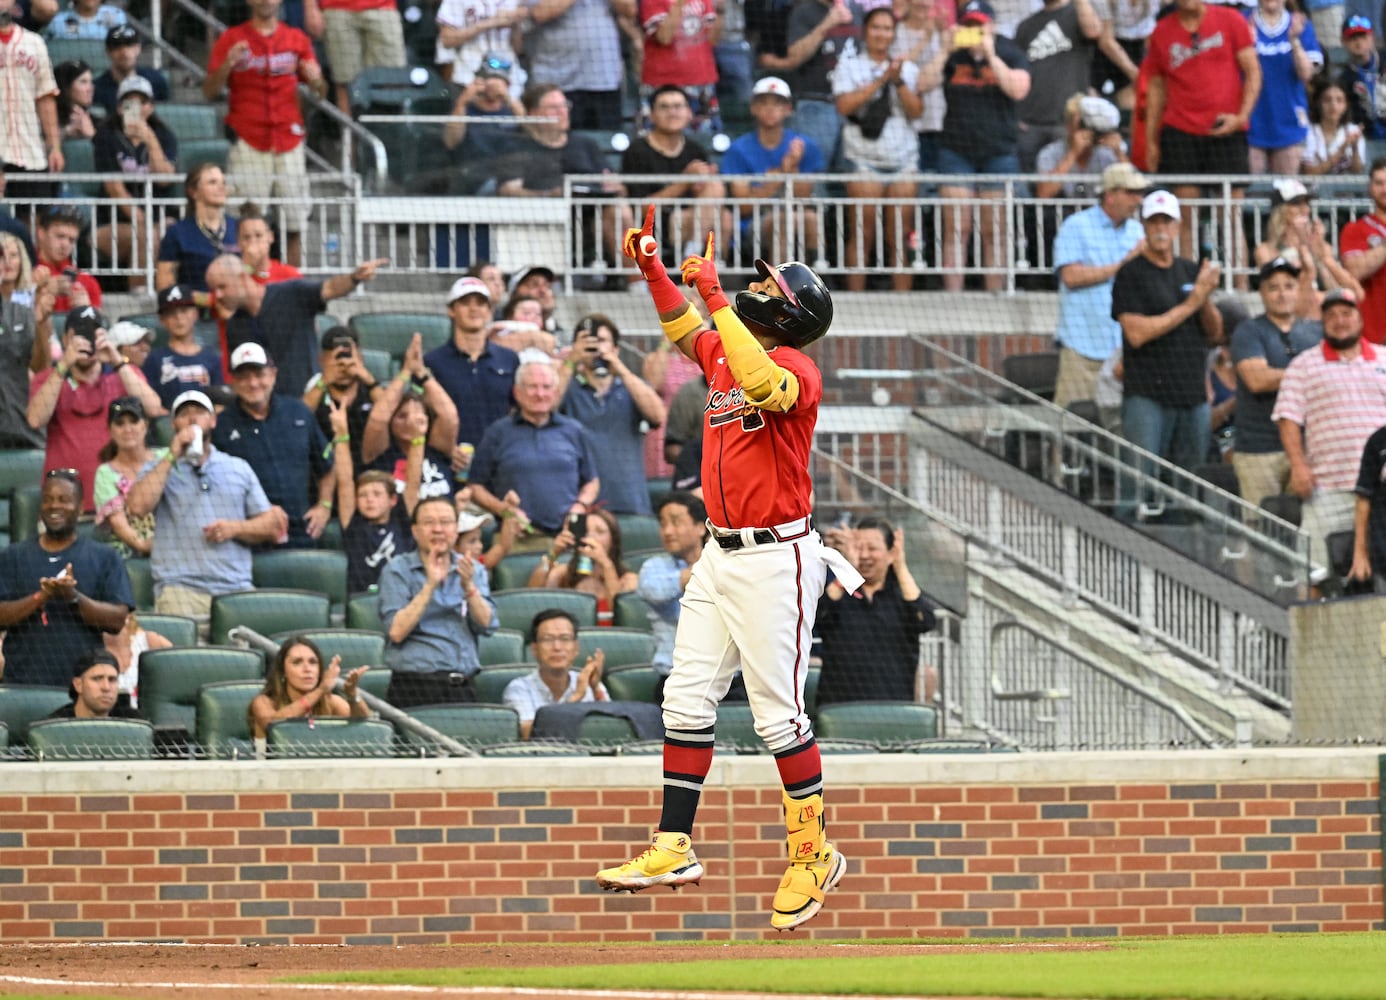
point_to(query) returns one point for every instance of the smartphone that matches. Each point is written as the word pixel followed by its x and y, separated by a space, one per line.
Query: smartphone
pixel 130 112
pixel 967 36
pixel 577 524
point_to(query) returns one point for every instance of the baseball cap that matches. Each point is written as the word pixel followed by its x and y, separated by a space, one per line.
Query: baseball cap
pixel 1123 177
pixel 192 396
pixel 1357 24
pixel 125 404
pixel 519 276
pixel 135 84
pixel 772 85
pixel 84 321
pixel 470 520
pixel 978 11
pixel 122 34
pixel 1159 203
pixel 1339 297
pixel 494 64
pixel 338 336
pixel 90 658
pixel 176 297
pixel 463 287
pixel 1288 190
pixel 125 333
pixel 1278 264
pixel 249 354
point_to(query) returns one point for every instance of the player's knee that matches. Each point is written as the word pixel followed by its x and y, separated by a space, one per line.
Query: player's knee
pixel 784 734
pixel 688 721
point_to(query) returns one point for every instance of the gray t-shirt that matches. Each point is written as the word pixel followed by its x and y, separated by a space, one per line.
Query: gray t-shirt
pixel 1060 63
pixel 578 50
pixel 1260 338
pixel 16 344
pixel 814 79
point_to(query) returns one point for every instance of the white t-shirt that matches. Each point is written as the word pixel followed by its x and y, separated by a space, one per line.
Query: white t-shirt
pixel 897 148
pixel 1336 150
pixel 935 104
pixel 1131 19
pixel 467 56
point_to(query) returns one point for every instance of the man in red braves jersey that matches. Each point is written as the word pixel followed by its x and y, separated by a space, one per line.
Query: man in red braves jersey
pixel 260 62
pixel 751 598
pixel 1362 244
pixel 30 141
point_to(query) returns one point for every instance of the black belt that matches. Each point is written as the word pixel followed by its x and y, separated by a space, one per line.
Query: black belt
pixel 763 536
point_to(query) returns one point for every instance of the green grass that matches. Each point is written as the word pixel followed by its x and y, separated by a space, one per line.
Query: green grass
pixel 1235 967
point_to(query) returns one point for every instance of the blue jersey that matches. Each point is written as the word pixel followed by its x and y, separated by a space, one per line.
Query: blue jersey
pixel 1281 115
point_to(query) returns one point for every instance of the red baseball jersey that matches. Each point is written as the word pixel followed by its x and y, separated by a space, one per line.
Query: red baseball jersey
pixel 262 106
pixel 1357 237
pixel 755 462
pixel 1202 76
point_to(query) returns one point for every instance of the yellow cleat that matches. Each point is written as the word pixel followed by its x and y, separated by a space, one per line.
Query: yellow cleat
pixel 801 891
pixel 669 860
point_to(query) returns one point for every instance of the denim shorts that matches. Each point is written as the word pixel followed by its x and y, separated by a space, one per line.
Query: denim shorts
pixel 950 161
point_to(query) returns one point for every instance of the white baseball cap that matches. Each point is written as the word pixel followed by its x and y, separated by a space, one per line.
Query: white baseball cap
pixel 125 333
pixel 463 287
pixel 469 520
pixel 249 354
pixel 772 85
pixel 1159 203
pixel 192 396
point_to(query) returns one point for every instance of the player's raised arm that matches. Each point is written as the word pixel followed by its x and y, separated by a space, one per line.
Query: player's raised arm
pixel 679 319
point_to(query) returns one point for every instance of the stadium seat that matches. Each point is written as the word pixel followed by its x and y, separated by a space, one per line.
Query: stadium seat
pixel 91 51
pixel 513 572
pixel 639 533
pixel 622 646
pixel 1038 372
pixel 418 160
pixel 391 332
pixel 23 704
pixel 378 363
pixel 91 739
pixel 197 151
pixel 358 647
pixel 631 611
pixel 611 147
pixel 885 723
pixel 491 681
pixel 376 681
pixel 633 682
pixel 191 121
pixel 736 728
pixel 171 678
pixel 945 744
pixel 317 570
pixel 24 512
pixel 634 560
pixel 331 737
pixel 517 608
pixel 223 730
pixel 605 733
pixel 535 748
pixel 4 735
pixel 161 431
pixel 79 157
pixel 268 612
pixel 1285 506
pixel 363 612
pixel 475 725
pixel 504 645
pixel 180 631
pixel 141 583
pixel 18 467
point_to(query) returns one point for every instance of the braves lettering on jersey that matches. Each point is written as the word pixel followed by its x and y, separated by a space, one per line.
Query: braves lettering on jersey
pixel 1203 78
pixel 26 74
pixel 755 464
pixel 262 103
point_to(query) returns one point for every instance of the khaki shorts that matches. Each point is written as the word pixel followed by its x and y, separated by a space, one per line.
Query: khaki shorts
pixel 357 39
pixel 261 176
pixel 1325 513
pixel 194 604
pixel 1077 378
pixel 1261 475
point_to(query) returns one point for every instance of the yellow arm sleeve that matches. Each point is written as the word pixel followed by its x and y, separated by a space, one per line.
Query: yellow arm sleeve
pixel 682 325
pixel 766 384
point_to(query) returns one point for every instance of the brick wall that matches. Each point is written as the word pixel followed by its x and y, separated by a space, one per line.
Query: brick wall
pixel 468 851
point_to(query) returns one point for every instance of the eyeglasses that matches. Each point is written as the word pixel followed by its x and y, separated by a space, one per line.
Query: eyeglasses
pixel 555 640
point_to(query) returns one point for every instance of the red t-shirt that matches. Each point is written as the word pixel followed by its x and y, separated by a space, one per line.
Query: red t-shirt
pixel 276 271
pixel 357 5
pixel 62 303
pixel 262 104
pixel 78 429
pixel 1359 236
pixel 1205 80
pixel 687 61
pixel 755 462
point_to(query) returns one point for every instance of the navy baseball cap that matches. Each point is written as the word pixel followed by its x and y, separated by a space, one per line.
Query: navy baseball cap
pixel 1357 25
pixel 978 11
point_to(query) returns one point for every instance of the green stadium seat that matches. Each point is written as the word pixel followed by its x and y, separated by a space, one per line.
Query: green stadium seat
pixel 18 467
pixel 268 612
pixel 363 612
pixel 811 690
pixel 330 737
pixel 611 150
pixel 356 647
pixel 24 512
pixel 4 735
pixel 223 730
pixel 622 646
pixel 180 631
pixel 319 570
pixel 92 739
pixel 196 151
pixel 631 611
pixel 885 723
pixel 639 533
pixel 491 681
pixel 634 560
pixel 474 725
pixel 391 332
pixel 535 748
pixel 141 583
pixel 161 431
pixel 513 572
pixel 736 728
pixel 21 705
pixel 633 682
pixel 191 121
pixel 517 608
pixel 504 645
pixel 170 679
pixel 378 363
pixel 79 157
pixel 376 681
pixel 91 51
pixel 417 157
pixel 953 744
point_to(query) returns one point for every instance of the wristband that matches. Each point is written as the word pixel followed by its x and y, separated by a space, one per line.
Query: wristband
pixel 307 705
pixel 342 439
pixel 417 442
pixel 37 597
pixel 123 362
pixel 325 503
pixel 61 369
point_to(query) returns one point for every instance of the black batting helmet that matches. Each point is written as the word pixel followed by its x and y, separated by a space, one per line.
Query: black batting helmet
pixel 798 319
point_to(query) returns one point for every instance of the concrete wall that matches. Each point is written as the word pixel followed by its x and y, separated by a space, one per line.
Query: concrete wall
pixel 1008 845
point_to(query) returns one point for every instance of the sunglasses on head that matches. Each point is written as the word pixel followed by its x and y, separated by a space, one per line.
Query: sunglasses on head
pixel 497 65
pixel 69 475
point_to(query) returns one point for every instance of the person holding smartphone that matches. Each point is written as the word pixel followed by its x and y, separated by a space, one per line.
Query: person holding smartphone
pixel 595 564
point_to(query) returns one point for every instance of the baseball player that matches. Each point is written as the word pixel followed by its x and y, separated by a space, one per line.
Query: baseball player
pixel 751 597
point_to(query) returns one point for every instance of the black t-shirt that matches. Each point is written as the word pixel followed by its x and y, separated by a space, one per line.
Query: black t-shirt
pixel 1060 60
pixel 1171 370
pixel 981 121
pixel 642 158
pixel 120 710
pixel 542 168
pixel 114 153
pixel 1370 485
pixel 105 88
pixel 370 546
pixel 436 480
pixel 871 647
pixel 358 412
pixel 284 327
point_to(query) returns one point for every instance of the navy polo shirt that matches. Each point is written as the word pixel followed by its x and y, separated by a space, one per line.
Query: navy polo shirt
pixel 186 245
pixel 288 452
pixel 618 434
pixel 479 389
pixel 545 465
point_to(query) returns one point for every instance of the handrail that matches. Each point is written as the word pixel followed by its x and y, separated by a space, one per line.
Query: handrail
pixel 247 635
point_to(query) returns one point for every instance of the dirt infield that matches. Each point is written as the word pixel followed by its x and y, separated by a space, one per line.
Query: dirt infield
pixel 155 972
